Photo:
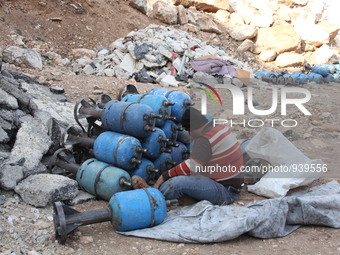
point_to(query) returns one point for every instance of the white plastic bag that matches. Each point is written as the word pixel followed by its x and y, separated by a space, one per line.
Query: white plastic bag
pixel 290 167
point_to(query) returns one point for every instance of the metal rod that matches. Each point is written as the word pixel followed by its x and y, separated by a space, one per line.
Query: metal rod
pixel 170 118
pixel 89 217
pixel 167 103
pixel 71 167
pixel 82 140
pixel 124 182
pixel 97 113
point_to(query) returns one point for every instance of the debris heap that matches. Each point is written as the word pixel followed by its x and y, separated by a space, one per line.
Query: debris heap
pixel 151 55
pixel 30 115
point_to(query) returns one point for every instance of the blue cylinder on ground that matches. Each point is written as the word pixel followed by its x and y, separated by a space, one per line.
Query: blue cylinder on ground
pixel 182 100
pixel 101 179
pixel 329 78
pixel 157 103
pixel 128 118
pixel 263 74
pixel 322 70
pixel 117 149
pixel 180 153
pixel 170 130
pixel 163 163
pixel 146 170
pixel 336 77
pixel 315 77
pixel 155 143
pixel 183 137
pixel 137 209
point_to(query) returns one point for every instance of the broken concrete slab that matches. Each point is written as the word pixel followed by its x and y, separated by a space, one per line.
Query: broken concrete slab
pixel 169 80
pixel 8 101
pixel 43 189
pixel 81 197
pixel 32 142
pixel 128 64
pixel 10 176
pixel 3 136
pixel 18 56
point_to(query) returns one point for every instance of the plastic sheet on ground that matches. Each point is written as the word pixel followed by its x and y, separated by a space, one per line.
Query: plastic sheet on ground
pixel 277 217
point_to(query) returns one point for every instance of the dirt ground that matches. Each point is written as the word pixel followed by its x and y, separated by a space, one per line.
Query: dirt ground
pixel 91 23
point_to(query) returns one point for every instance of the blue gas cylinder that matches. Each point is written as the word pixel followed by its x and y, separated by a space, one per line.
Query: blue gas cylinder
pixel 315 77
pixel 120 150
pixel 155 144
pixel 260 74
pixel 137 209
pixel 322 70
pixel 336 77
pixel 329 78
pixel 101 179
pixel 183 136
pixel 163 163
pixel 128 118
pixel 159 104
pixel 146 170
pixel 180 153
pixel 182 100
pixel 170 130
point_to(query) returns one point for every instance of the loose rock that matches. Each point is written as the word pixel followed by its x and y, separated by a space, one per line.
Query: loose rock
pixel 42 189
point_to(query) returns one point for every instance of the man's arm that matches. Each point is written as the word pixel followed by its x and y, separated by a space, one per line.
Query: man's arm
pixel 200 156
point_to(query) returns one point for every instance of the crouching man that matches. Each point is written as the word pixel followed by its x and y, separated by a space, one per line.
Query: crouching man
pixel 213 170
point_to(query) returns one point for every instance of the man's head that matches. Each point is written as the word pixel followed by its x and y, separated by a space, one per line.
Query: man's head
pixel 193 121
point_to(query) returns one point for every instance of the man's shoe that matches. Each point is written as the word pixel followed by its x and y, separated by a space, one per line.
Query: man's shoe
pixel 138 182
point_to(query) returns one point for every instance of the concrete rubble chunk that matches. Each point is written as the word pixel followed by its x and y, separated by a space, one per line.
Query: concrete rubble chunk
pixel 81 197
pixel 169 80
pixel 8 101
pixel 31 143
pixel 267 38
pixel 289 59
pixel 203 5
pixel 19 56
pixel 243 32
pixel 205 78
pixel 41 190
pixel 10 176
pixel 3 136
pixel 128 64
pixel 268 55
pixel 165 13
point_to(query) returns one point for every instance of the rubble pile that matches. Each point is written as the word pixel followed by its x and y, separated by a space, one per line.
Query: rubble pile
pixel 154 54
pixel 30 116
pixel 307 30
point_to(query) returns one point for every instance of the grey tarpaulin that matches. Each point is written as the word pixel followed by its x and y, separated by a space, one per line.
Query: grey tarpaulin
pixel 277 217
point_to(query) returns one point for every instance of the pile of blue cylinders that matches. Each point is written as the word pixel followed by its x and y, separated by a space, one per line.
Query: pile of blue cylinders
pixel 319 74
pixel 123 143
